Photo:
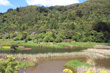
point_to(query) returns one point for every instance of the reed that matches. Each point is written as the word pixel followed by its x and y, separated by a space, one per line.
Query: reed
pixel 84 69
pixel 35 57
pixel 101 51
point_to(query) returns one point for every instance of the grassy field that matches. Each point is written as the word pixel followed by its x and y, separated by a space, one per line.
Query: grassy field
pixel 50 44
pixel 82 44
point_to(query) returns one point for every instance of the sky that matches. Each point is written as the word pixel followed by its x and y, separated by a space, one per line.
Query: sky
pixel 6 4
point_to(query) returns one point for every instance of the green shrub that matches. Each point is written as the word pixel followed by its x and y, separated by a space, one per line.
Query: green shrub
pixel 14 46
pixel 75 64
pixel 46 39
pixel 0 37
pixel 40 40
pixel 12 66
pixel 28 38
pixel 9 65
pixel 15 38
pixel 51 39
pixel 25 64
pixel 58 39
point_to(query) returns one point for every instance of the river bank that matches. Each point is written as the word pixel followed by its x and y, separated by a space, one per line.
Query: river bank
pixel 94 51
pixel 10 42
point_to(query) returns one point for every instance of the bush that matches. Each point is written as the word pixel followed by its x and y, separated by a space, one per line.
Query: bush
pixel 51 39
pixel 75 64
pixel 18 37
pixel 9 65
pixel 41 35
pixel 14 47
pixel 0 37
pixel 58 39
pixel 6 36
pixel 46 39
pixel 15 38
pixel 28 38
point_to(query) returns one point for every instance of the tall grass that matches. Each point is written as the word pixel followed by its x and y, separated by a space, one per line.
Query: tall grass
pixel 36 57
pixel 75 64
pixel 84 69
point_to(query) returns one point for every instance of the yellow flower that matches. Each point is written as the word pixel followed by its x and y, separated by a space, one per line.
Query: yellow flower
pixel 6 47
pixel 67 70
pixel 94 70
pixel 89 70
pixel 103 71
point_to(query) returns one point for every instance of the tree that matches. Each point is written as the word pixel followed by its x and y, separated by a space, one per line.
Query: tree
pixel 101 26
pixel 0 37
pixel 18 37
pixel 17 9
pixel 9 10
pixel 74 20
pixel 46 39
pixel 58 39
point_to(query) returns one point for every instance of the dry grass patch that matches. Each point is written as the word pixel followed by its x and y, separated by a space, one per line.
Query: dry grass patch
pixel 101 51
pixel 84 69
pixel 35 57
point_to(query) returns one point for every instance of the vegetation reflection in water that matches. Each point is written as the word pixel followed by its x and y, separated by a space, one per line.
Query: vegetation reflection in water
pixel 36 50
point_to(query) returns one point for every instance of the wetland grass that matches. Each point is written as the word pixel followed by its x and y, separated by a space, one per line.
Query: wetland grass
pixel 35 57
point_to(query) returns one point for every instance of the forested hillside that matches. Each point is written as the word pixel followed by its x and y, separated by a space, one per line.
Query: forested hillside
pixel 89 21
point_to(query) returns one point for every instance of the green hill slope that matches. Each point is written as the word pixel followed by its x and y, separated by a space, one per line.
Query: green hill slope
pixel 89 21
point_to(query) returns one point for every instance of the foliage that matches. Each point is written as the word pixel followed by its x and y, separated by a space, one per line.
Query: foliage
pixel 9 65
pixel 58 39
pixel 18 37
pixel 14 46
pixel 25 64
pixel 12 66
pixel 49 37
pixel 67 70
pixel 0 37
pixel 85 22
pixel 90 70
pixel 75 64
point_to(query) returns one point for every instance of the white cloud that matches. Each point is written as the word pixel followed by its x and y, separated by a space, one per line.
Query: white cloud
pixel 51 2
pixel 4 2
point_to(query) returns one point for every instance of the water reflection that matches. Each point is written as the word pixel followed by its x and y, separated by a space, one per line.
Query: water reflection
pixel 36 50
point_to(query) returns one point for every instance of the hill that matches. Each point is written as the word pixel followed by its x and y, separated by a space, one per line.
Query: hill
pixel 89 21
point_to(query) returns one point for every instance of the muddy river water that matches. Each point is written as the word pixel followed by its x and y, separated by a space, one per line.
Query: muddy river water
pixel 57 66
pixel 50 66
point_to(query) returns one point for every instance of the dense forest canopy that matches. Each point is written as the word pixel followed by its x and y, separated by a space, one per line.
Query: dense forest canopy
pixel 88 21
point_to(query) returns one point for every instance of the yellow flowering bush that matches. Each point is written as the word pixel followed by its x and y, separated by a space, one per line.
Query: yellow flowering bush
pixel 103 71
pixel 90 70
pixel 9 65
pixel 68 70
pixel 6 47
